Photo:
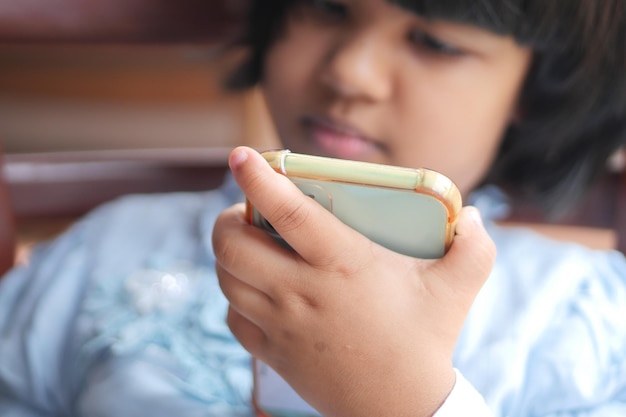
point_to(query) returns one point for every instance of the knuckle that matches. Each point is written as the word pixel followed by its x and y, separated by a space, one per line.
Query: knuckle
pixel 253 180
pixel 251 337
pixel 225 283
pixel 289 216
pixel 226 249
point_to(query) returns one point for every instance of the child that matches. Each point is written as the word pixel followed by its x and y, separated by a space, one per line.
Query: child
pixel 123 315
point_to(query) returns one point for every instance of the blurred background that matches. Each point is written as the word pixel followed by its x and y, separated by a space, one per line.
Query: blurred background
pixel 100 98
pixel 95 97
pixel 76 79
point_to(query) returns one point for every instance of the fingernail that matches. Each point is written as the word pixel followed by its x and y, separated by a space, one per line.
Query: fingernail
pixel 237 157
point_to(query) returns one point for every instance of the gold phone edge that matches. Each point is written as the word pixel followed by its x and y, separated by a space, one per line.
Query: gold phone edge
pixel 423 180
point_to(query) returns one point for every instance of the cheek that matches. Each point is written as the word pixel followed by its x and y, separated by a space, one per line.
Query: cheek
pixel 289 82
pixel 483 121
pixel 456 132
pixel 278 81
pixel 465 165
pixel 468 171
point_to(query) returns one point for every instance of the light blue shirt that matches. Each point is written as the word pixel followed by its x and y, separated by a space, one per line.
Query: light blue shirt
pixel 123 316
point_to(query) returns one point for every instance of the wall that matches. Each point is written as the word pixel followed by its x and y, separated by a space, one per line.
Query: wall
pixel 93 97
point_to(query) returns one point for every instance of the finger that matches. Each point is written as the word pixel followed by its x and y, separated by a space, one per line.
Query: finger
pixel 249 335
pixel 470 259
pixel 248 301
pixel 302 222
pixel 249 253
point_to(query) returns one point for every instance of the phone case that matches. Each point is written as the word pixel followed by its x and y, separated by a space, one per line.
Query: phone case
pixel 410 211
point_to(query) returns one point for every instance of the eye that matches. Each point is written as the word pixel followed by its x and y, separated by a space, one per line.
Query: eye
pixel 328 10
pixel 431 44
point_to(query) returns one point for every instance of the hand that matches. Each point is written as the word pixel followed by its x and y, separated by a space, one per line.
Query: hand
pixel 354 328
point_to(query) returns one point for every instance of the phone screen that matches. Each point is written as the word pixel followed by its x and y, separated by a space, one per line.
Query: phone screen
pixel 404 221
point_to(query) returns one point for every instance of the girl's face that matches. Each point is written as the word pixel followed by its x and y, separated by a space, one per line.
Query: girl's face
pixel 367 80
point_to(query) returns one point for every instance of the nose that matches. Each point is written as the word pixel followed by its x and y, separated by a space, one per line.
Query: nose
pixel 357 67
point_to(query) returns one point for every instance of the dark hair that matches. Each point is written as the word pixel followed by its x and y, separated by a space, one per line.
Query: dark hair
pixel 573 104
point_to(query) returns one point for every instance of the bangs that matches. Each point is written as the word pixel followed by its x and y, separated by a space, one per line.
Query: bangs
pixel 534 23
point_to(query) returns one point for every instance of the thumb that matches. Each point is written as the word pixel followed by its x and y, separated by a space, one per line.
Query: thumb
pixel 299 220
pixel 469 261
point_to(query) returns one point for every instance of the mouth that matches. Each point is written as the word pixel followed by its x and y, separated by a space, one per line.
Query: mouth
pixel 337 139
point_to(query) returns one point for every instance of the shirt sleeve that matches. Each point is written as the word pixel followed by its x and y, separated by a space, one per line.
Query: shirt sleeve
pixel 463 400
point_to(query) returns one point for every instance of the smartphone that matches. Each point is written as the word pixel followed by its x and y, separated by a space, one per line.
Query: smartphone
pixel 410 211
